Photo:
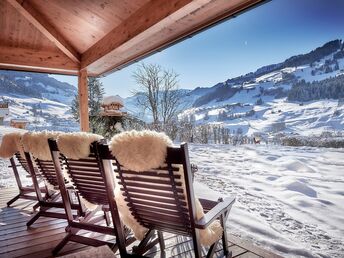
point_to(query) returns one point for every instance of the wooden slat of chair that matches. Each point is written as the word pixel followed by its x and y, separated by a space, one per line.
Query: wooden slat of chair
pixel 158 202
pixel 97 188
pixel 45 204
pixel 148 186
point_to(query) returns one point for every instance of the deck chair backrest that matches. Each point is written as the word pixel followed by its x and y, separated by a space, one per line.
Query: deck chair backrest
pixel 85 175
pixel 22 162
pixel 46 168
pixel 156 197
pixel 88 177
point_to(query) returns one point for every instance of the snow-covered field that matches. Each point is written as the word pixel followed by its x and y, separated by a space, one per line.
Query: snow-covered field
pixel 41 113
pixel 288 199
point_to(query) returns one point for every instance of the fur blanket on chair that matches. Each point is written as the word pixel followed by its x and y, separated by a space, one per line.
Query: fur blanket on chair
pixel 11 144
pixel 36 143
pixel 76 145
pixel 142 151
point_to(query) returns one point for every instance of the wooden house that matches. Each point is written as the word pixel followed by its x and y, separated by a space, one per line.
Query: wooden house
pixel 4 112
pixel 112 106
pixel 19 123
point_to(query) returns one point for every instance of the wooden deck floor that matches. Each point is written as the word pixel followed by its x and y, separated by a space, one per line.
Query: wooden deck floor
pixel 38 241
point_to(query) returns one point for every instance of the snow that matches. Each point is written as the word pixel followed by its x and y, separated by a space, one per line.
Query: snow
pixel 289 199
pixel 309 118
pixel 49 114
pixel 113 99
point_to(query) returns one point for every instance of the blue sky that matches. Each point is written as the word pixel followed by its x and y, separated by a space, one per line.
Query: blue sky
pixel 265 35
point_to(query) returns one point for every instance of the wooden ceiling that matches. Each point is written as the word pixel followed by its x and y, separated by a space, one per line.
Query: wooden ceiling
pixel 66 36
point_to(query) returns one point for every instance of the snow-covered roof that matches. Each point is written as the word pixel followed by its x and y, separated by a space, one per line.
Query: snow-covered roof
pixel 4 112
pixel 113 99
pixel 19 120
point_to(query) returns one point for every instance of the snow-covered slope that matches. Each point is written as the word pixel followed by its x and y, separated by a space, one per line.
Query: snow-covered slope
pixel 42 100
pixel 36 85
pixel 260 102
pixel 41 113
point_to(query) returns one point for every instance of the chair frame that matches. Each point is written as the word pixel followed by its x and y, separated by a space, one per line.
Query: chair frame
pixel 24 191
pixel 45 204
pixel 213 210
pixel 88 221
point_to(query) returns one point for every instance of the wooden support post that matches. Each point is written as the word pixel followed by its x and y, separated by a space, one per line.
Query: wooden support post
pixel 83 100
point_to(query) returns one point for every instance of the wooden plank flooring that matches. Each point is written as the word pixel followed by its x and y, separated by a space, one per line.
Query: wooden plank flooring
pixel 38 241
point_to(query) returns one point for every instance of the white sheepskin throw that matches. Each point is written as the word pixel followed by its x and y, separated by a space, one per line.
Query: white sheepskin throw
pixel 11 144
pixel 36 143
pixel 76 145
pixel 142 151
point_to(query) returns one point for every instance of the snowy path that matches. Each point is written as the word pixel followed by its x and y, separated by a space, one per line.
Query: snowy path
pixel 288 199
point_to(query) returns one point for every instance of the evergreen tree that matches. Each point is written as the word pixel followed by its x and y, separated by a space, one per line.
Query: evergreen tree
pixel 336 66
pixel 259 101
pixel 206 116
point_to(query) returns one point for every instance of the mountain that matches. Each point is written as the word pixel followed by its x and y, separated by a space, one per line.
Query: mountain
pixel 40 99
pixel 36 85
pixel 302 95
pixel 321 62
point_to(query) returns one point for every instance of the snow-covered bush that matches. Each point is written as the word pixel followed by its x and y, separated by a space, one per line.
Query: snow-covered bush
pixel 314 141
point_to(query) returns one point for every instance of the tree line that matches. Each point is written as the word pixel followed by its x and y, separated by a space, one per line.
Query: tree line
pixel 331 88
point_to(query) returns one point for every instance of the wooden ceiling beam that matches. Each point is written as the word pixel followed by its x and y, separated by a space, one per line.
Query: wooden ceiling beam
pixel 34 17
pixel 36 61
pixel 147 16
pixel 155 26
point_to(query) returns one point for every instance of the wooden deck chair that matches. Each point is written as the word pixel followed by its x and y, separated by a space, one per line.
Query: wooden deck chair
pixel 24 191
pixel 157 201
pixel 11 147
pixel 47 171
pixel 95 187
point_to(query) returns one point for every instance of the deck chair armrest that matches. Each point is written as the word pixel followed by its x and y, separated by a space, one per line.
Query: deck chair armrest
pixel 10 166
pixel 215 212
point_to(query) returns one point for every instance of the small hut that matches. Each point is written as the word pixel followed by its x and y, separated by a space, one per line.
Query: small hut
pixel 19 123
pixel 4 112
pixel 112 106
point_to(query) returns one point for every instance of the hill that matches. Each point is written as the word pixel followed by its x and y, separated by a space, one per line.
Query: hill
pixel 36 85
pixel 41 99
pixel 302 95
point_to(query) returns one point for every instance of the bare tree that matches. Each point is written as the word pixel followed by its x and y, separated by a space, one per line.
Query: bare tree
pixel 170 97
pixel 158 92
pixel 149 78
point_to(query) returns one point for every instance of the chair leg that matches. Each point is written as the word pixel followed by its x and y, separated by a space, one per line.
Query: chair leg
pixel 196 245
pixel 35 206
pixel 13 200
pixel 212 250
pixel 223 220
pixel 33 219
pixel 143 245
pixel 161 241
pixel 63 242
pixel 107 218
pixel 82 209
